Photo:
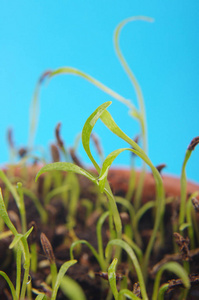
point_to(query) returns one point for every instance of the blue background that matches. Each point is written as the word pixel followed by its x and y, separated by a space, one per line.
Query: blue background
pixel 39 35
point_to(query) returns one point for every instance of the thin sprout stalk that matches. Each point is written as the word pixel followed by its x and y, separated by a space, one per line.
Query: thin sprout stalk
pixel 190 148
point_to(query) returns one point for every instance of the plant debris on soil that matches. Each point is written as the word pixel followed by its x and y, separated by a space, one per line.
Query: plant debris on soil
pixel 57 238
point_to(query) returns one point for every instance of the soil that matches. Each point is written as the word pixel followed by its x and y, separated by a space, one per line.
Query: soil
pixel 87 271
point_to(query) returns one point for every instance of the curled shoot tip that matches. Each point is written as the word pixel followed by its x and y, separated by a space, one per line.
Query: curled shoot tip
pixel 44 76
pixel 193 144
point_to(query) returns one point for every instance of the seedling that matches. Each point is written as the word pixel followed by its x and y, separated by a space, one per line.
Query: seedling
pixel 20 243
pixel 191 147
pixel 121 236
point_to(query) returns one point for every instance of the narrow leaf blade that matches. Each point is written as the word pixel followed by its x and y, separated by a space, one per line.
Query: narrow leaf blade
pixel 67 167
pixel 71 289
pixel 87 129
pixel 60 276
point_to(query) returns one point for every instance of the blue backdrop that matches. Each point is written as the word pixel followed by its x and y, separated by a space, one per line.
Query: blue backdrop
pixel 39 35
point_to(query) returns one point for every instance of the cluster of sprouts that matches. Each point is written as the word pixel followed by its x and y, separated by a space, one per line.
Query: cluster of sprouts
pixel 122 237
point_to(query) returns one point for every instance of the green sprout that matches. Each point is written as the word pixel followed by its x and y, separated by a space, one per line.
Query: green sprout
pixel 171 267
pixel 100 254
pixel 102 182
pixel 138 114
pixel 20 243
pixel 134 112
pixel 134 259
pixel 191 147
pixel 69 167
pixel 56 276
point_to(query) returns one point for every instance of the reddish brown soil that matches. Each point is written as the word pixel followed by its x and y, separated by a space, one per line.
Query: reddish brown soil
pixel 84 272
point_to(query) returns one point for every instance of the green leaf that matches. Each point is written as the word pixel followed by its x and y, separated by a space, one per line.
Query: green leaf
pixel 162 290
pixel 4 215
pixel 71 289
pixel 134 246
pixel 11 286
pixel 74 244
pixel 73 71
pixel 175 268
pixel 22 209
pixel 112 277
pixel 134 259
pixel 16 240
pixel 107 164
pixel 55 192
pixel 87 129
pixel 19 236
pixel 60 276
pixel 41 297
pixel 26 235
pixel 160 197
pixel 11 188
pixel 128 294
pixel 67 167
pixel 41 210
pixel 184 226
pixel 140 115
pixel 34 110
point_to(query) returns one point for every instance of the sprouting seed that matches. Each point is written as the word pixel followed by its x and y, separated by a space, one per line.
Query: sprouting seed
pixel 33 235
pixel 136 140
pixel 183 244
pixel 96 143
pixel 75 158
pixel 44 75
pixel 10 137
pixel 55 153
pixel 193 143
pixel 22 152
pixel 160 167
pixel 136 289
pixel 47 248
pixel 104 275
pixel 195 203
pixel 60 143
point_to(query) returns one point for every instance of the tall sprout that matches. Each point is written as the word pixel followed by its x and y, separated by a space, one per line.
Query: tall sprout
pixel 139 114
pixel 160 197
pixel 188 153
pixel 102 182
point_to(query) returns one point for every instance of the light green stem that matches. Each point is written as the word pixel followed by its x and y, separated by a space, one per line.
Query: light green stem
pixel 99 237
pixel 53 270
pixel 183 181
pixel 22 209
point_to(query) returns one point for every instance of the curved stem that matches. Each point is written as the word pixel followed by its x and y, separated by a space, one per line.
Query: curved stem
pixel 142 114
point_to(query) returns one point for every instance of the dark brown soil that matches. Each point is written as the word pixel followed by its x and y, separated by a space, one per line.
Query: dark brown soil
pixel 87 271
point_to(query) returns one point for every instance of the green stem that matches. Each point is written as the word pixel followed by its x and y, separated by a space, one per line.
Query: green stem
pixel 99 238
pixel 183 181
pixel 53 270
pixel 18 270
pixel 142 114
pixel 26 267
pixel 22 208
pixel 114 211
pixel 33 251
pixel 134 259
pixel 189 217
